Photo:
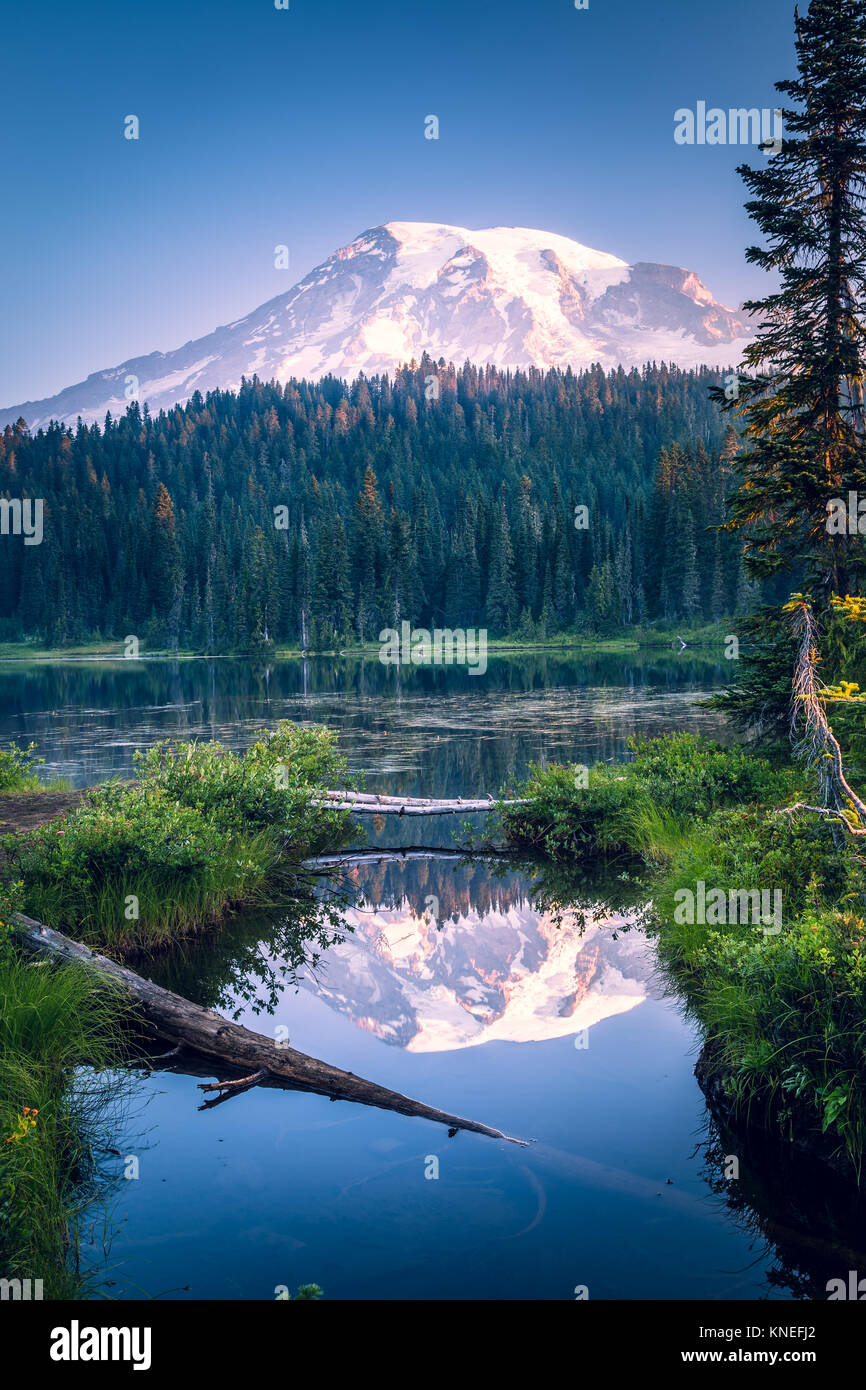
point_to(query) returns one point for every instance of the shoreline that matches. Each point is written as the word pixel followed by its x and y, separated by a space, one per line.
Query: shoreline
pixel 631 641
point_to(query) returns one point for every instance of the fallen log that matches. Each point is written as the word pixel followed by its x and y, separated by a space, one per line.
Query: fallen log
pixel 168 1016
pixel 367 803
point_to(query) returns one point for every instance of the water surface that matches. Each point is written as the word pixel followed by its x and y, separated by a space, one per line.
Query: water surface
pixel 455 983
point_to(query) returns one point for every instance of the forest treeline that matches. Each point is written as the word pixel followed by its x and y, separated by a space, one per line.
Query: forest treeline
pixel 317 513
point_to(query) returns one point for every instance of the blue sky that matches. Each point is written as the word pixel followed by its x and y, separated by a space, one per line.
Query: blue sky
pixel 306 126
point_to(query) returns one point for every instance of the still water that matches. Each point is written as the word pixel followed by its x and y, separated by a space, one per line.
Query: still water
pixel 454 983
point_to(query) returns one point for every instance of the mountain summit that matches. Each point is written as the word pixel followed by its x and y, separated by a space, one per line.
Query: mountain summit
pixel 509 296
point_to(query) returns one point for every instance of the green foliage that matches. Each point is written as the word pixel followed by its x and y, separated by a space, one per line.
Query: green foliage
pixel 269 788
pixel 307 1293
pixel 457 512
pixel 786 1012
pixel 760 699
pixel 60 1032
pixel 17 768
pixel 638 806
pixel 801 403
pixel 201 831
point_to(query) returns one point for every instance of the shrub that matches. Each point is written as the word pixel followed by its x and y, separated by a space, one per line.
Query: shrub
pixel 17 768
pixel 641 806
pixel 270 788
pixel 202 831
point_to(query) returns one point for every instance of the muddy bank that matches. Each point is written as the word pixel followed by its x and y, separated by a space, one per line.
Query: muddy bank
pixel 21 811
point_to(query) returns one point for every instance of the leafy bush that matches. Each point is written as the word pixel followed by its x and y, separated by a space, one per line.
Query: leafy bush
pixel 17 768
pixel 692 776
pixel 641 806
pixel 270 788
pixel 202 831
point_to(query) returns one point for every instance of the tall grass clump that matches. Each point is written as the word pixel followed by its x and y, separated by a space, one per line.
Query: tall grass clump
pixel 61 1036
pixel 200 832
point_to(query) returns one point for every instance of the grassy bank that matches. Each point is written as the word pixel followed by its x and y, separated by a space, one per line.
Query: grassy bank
pixel 625 639
pixel 200 832
pixel 781 997
pixel 60 1034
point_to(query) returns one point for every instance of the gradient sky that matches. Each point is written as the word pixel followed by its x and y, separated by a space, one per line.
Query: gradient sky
pixel 305 127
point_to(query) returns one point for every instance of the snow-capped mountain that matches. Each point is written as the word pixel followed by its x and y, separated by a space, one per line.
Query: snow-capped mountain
pixel 509 974
pixel 509 296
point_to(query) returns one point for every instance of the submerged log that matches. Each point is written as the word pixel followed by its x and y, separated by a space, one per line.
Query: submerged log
pixel 358 858
pixel 168 1016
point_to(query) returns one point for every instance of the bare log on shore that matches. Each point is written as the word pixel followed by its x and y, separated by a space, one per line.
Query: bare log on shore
pixel 229 1045
pixel 367 803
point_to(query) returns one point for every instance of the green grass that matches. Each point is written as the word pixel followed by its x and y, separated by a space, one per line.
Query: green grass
pixel 60 1033
pixel 17 771
pixel 200 833
pixel 784 1013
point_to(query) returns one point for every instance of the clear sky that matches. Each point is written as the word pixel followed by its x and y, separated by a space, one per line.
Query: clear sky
pixel 305 126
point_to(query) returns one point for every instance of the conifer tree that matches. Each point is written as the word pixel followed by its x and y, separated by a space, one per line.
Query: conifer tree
pixel 501 597
pixel 690 601
pixel 802 404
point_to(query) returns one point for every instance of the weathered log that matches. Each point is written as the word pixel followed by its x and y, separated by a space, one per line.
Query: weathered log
pixel 177 1020
pixel 369 804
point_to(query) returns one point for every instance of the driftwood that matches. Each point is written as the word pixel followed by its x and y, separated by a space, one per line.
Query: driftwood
pixel 367 804
pixel 228 1045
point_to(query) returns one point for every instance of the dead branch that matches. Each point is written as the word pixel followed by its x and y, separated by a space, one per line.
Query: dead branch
pixel 818 745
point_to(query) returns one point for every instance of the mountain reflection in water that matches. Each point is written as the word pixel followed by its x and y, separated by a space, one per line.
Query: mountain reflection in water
pixel 494 970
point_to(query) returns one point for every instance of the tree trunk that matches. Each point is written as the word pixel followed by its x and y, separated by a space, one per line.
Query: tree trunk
pixel 167 1015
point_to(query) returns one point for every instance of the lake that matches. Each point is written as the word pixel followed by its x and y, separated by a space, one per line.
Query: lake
pixel 456 984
